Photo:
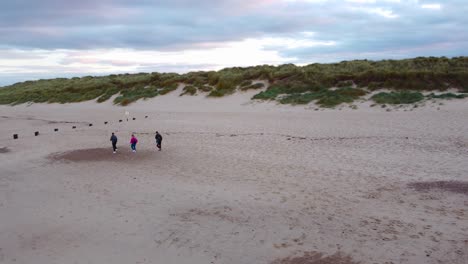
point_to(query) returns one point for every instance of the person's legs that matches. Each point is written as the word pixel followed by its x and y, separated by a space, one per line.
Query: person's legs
pixel 114 146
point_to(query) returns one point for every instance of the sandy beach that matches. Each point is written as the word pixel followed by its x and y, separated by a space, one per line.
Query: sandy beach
pixel 237 182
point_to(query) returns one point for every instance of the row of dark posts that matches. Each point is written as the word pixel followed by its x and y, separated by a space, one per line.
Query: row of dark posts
pixel 15 136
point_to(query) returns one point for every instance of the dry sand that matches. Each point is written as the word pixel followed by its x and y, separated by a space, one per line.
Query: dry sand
pixel 236 182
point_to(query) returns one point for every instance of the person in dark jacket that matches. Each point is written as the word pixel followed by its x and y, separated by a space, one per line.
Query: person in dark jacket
pixel 158 138
pixel 113 139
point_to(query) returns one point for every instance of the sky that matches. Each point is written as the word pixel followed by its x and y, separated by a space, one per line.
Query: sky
pixel 67 38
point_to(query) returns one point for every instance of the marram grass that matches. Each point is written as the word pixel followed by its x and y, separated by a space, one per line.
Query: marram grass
pixel 289 84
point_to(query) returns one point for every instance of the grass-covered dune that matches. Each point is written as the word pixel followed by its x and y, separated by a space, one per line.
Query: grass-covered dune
pixel 327 84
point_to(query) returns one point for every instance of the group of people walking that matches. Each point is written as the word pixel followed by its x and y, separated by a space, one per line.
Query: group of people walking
pixel 134 141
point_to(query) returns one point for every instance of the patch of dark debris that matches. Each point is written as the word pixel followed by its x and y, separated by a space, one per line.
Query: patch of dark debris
pixel 4 150
pixel 448 186
pixel 317 258
pixel 101 154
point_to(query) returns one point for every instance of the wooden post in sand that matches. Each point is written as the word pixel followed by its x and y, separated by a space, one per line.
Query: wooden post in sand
pixel 55 129
pixel 15 136
pixel 105 123
pixel 90 124
pixel 73 127
pixel 120 120
pixel 36 133
pixel 134 118
pixel 146 116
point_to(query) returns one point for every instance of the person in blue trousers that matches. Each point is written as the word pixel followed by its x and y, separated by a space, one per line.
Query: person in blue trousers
pixel 133 142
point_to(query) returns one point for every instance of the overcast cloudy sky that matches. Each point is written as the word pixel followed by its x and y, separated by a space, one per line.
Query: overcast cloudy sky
pixel 64 38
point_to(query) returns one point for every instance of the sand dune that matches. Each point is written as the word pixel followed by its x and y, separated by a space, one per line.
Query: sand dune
pixel 237 182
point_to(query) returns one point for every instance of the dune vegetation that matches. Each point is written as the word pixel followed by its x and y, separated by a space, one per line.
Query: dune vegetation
pixel 326 84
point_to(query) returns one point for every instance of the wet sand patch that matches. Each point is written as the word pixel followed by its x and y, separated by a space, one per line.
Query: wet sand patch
pixel 449 186
pixel 317 258
pixel 100 155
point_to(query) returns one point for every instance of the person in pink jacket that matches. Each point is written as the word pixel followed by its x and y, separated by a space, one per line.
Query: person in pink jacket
pixel 133 142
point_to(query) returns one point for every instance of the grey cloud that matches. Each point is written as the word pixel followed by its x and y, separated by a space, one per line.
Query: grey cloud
pixel 179 68
pixel 177 25
pixel 416 32
pixel 19 55
pixel 182 24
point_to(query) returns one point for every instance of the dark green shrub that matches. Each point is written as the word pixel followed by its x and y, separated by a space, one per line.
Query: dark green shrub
pixel 326 98
pixel 447 96
pixel 305 98
pixel 245 83
pixel 402 97
pixel 271 93
pixel 333 99
pixel 189 89
pixel 168 89
pixel 216 93
pixel 253 87
pixel 205 88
